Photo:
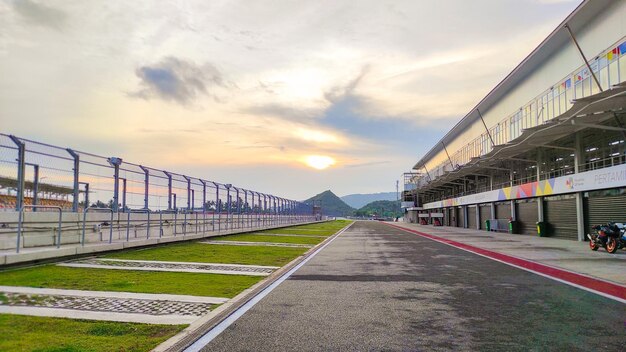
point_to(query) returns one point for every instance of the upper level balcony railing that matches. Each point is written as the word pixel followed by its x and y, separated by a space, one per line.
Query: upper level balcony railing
pixel 609 67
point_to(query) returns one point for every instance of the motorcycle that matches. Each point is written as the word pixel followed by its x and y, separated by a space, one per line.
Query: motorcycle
pixel 611 236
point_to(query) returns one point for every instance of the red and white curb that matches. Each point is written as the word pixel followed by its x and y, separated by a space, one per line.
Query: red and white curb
pixel 604 288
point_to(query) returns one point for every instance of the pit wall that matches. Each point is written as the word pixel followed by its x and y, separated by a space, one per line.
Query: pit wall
pixel 39 237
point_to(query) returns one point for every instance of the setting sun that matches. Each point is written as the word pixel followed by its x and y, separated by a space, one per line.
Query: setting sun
pixel 319 162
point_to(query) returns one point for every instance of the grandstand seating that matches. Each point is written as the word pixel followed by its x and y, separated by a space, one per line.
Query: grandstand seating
pixel 8 202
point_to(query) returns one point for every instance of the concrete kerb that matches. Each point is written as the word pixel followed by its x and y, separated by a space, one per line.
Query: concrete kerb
pixel 199 327
pixel 50 255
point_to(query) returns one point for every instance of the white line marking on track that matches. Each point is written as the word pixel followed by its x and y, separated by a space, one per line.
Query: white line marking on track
pixel 224 324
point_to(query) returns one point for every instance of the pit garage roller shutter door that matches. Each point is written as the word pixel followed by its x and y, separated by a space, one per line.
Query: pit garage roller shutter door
pixel 560 213
pixel 485 214
pixel 503 210
pixel 471 217
pixel 602 209
pixel 527 216
pixel 460 217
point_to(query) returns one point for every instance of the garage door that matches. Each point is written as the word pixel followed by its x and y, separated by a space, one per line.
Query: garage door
pixel 602 208
pixel 503 210
pixel 527 216
pixel 485 214
pixel 461 217
pixel 561 216
pixel 471 217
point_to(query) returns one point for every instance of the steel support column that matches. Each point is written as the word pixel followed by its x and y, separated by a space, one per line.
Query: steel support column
pixel 580 209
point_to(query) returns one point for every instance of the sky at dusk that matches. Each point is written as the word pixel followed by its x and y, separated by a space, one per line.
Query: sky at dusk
pixel 284 97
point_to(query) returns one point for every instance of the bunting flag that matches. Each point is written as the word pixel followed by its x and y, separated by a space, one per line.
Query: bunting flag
pixel 567 83
pixel 621 49
pixel 612 53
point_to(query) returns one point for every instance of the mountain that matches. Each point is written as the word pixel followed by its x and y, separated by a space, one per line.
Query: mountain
pixel 359 200
pixel 380 208
pixel 331 204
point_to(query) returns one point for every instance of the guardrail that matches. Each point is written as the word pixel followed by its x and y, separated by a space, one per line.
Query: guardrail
pixel 21 218
pixel 137 211
pixel 82 239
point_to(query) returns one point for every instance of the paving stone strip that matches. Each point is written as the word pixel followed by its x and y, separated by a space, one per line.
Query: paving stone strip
pixel 106 304
pixel 288 235
pixel 268 244
pixel 112 294
pixel 208 268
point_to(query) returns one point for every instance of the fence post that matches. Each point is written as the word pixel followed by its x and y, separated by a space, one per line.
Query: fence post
pixel 264 208
pixel 169 189
pixel 115 162
pixel 146 186
pixel 251 209
pixel 204 209
pixel 188 179
pixel 228 186
pixel 246 208
pixel 203 194
pixel 236 210
pixel 21 169
pixel 218 207
pixel 123 193
pixel 76 158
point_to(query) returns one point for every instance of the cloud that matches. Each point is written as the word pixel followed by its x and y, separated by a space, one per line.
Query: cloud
pixel 339 92
pixel 179 81
pixel 39 14
pixel 283 111
pixel 373 163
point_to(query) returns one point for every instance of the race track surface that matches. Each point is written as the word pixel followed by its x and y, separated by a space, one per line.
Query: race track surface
pixel 377 288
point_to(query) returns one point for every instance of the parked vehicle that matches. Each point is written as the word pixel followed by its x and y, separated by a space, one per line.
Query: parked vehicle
pixel 611 236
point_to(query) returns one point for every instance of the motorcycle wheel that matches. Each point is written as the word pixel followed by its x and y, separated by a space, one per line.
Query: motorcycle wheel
pixel 593 246
pixel 611 245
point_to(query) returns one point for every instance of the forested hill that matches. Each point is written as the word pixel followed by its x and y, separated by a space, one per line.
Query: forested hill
pixel 380 208
pixel 331 204
pixel 360 200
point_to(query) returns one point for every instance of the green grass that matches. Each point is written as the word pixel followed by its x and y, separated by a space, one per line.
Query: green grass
pixel 195 284
pixel 321 229
pixel 42 334
pixel 207 253
pixel 251 255
pixel 259 237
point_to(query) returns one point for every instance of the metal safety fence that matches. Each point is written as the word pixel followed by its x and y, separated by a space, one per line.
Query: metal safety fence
pixel 124 199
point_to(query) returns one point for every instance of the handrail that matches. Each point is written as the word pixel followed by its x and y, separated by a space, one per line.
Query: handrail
pixel 161 212
pixel 137 211
pixel 21 218
pixel 185 212
pixel 82 240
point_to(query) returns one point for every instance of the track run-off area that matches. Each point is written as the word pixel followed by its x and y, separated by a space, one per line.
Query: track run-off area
pixel 377 287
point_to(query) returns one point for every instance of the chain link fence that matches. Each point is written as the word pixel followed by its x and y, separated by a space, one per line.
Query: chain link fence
pixel 119 200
